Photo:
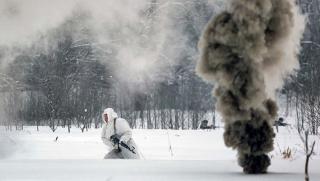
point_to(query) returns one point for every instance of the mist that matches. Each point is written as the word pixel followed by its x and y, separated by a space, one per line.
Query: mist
pixel 143 46
pixel 139 43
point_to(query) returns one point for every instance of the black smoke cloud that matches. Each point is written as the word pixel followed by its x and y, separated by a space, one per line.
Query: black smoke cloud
pixel 246 51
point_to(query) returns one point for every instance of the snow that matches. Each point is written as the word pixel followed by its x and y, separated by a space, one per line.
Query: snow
pixel 195 155
pixel 151 170
pixel 154 144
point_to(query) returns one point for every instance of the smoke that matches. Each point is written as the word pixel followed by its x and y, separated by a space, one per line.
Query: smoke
pixel 247 51
pixel 8 144
pixel 144 36
pixel 137 32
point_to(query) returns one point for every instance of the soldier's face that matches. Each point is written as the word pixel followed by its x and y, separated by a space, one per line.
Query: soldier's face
pixel 106 118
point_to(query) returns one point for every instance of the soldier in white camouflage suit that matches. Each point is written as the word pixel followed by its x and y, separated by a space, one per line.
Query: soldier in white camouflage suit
pixel 117 134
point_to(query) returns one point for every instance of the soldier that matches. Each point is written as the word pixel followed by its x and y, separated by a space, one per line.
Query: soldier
pixel 117 134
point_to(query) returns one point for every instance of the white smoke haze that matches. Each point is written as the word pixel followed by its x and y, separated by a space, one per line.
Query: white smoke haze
pixel 21 21
pixel 144 45
pixel 8 144
pixel 285 53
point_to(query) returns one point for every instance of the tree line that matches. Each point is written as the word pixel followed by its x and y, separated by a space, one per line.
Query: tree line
pixel 302 89
pixel 67 77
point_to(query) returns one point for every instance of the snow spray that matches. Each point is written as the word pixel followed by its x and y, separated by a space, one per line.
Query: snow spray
pixel 247 51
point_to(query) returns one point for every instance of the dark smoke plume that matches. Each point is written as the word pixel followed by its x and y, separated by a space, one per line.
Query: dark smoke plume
pixel 247 51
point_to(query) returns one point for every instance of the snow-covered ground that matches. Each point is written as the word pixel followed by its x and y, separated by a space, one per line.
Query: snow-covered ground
pixel 154 144
pixel 151 170
pixel 195 154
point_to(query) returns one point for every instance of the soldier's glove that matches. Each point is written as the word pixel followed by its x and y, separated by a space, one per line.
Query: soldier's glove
pixel 114 139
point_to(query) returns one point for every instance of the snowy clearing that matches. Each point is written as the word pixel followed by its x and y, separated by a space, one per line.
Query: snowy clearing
pixel 195 154
pixel 121 170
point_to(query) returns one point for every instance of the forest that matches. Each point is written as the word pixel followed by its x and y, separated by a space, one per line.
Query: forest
pixel 143 68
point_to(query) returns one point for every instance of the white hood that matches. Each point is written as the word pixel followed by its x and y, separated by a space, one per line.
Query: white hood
pixel 111 114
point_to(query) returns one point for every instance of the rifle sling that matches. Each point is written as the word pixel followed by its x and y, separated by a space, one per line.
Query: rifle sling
pixel 114 126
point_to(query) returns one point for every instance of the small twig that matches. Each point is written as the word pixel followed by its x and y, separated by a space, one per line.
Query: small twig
pixel 279 148
pixel 170 147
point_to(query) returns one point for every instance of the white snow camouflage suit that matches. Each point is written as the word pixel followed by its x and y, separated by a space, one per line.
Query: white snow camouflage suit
pixel 122 129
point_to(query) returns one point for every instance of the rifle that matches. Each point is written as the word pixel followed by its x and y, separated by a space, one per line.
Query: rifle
pixel 115 139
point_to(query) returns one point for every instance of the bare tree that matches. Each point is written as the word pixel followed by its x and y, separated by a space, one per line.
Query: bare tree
pixel 308 155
